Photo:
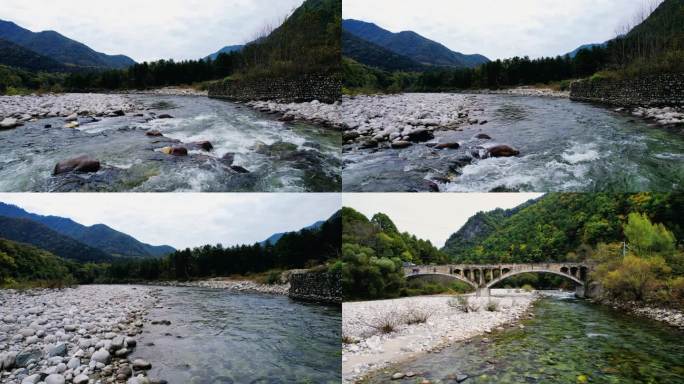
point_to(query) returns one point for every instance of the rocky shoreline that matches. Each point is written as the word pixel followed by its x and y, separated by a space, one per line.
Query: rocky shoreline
pixel 313 112
pixel 528 91
pixel 75 335
pixel 246 286
pixel 418 325
pixel 170 91
pixel 672 317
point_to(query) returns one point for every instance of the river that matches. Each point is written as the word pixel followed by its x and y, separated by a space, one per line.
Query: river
pixel 217 336
pixel 280 157
pixel 565 146
pixel 567 341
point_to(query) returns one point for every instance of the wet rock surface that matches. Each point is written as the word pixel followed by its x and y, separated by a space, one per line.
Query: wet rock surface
pixel 142 148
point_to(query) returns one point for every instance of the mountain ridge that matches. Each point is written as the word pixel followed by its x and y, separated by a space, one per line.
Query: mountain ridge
pixel 412 45
pixel 62 49
pixel 98 236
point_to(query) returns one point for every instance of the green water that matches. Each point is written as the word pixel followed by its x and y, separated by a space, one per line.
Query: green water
pixel 568 341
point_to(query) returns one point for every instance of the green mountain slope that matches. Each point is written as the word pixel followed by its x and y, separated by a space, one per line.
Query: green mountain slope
pixel 307 42
pixel 61 49
pixel 374 55
pixel 17 56
pixel 557 225
pixel 39 235
pixel 23 262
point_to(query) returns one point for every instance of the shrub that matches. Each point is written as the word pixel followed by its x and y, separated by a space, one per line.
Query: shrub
pixel 492 306
pixel 386 324
pixel 463 304
pixel 416 316
pixel 348 340
pixel 527 288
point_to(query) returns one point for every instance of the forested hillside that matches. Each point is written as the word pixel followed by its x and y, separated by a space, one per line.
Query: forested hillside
pixel 303 249
pixel 374 55
pixel 561 227
pixel 13 55
pixel 373 254
pixel 39 235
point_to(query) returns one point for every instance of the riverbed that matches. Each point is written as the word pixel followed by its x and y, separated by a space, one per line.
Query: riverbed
pixel 215 336
pixel 563 146
pixel 567 341
pixel 251 151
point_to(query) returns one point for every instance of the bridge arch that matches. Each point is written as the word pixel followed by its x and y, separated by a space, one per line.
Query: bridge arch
pixel 503 277
pixel 454 277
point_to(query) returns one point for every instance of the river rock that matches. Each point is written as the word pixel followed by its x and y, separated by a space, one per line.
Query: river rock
pixel 401 144
pixel 8 123
pixel 228 158
pixel 154 133
pixel 81 379
pixel 74 363
pixel 175 151
pixel 7 360
pixel 398 376
pixel 72 117
pixel 421 135
pixel 117 343
pixel 101 356
pixel 55 378
pixel 461 378
pixel 58 350
pixel 130 342
pixel 203 145
pixel 165 116
pixel 84 164
pixel 502 151
pixel 24 357
pixel 483 136
pixel 140 364
pixel 239 169
pixel 448 146
pixel 33 379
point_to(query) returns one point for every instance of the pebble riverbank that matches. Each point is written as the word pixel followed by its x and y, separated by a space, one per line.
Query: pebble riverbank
pixel 669 316
pixel 75 335
pixel 246 286
pixel 366 348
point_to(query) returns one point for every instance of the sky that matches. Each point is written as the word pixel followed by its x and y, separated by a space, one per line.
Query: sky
pixel 502 29
pixel 432 217
pixel 187 220
pixel 151 29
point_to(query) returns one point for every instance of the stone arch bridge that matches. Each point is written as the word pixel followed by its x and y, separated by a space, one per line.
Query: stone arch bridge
pixel 484 277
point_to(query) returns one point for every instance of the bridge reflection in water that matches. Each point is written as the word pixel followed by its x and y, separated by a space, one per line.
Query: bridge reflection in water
pixel 484 277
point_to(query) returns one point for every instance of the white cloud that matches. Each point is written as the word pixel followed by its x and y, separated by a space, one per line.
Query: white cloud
pixel 151 29
pixel 432 217
pixel 186 220
pixel 502 28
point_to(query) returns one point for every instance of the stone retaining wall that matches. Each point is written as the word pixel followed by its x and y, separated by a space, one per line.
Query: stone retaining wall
pixel 318 286
pixel 326 89
pixel 653 90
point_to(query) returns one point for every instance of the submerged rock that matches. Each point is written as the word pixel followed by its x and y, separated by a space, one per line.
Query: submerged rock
pixel 84 164
pixel 448 146
pixel 502 151
pixel 154 133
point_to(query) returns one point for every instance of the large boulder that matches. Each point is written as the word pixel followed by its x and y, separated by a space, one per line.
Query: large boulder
pixel 421 135
pixel 84 164
pixel 8 123
pixel 503 151
pixel 175 151
pixel 25 357
pixel 7 360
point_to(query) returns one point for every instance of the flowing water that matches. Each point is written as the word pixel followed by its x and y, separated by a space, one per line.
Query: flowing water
pixel 293 157
pixel 568 341
pixel 218 336
pixel 565 146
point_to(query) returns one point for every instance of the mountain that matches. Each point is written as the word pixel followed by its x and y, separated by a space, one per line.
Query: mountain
pixel 97 236
pixel 226 49
pixel 61 49
pixel 273 239
pixel 585 46
pixel 307 42
pixel 558 225
pixel 13 55
pixel 412 45
pixel 39 235
pixel 22 262
pixel 376 56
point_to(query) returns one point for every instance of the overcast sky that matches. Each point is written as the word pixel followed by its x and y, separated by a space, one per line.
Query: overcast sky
pixel 187 220
pixel 432 217
pixel 501 29
pixel 151 29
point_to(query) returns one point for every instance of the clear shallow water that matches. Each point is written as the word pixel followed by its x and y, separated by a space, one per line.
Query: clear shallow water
pixel 309 160
pixel 567 339
pixel 565 147
pixel 220 337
